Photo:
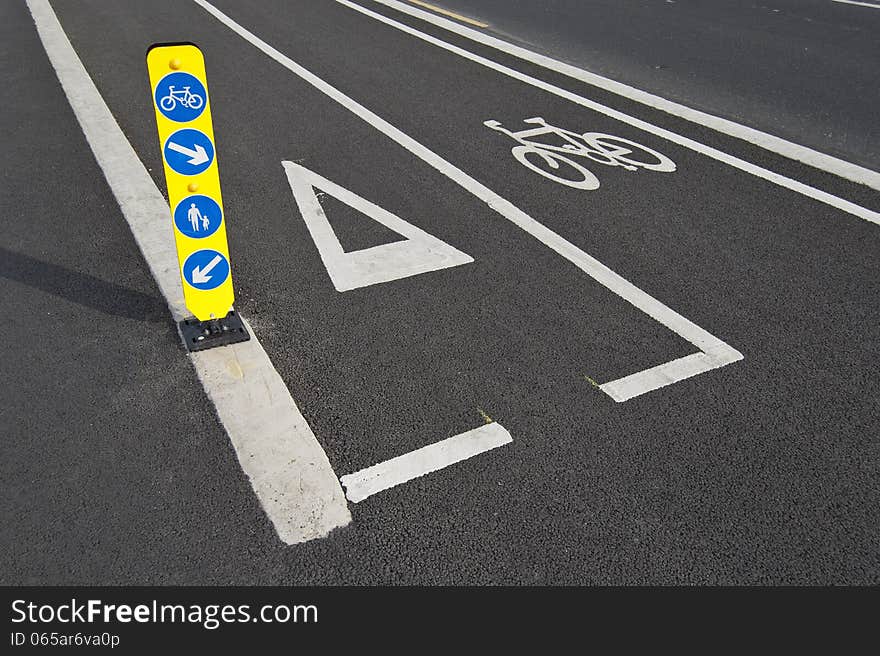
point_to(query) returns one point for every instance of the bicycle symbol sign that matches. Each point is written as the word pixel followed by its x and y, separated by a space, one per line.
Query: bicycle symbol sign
pixel 558 161
pixel 180 97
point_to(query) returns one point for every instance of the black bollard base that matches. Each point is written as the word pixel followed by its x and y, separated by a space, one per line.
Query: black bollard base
pixel 203 335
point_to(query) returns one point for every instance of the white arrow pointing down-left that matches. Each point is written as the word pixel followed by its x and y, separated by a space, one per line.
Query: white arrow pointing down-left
pixel 197 156
pixel 200 276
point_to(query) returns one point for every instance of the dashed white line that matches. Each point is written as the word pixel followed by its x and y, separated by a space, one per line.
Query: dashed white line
pixel 775 144
pixel 717 352
pixel 431 458
pixel 288 469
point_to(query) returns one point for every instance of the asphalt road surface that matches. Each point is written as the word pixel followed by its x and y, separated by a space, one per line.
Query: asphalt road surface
pixel 670 333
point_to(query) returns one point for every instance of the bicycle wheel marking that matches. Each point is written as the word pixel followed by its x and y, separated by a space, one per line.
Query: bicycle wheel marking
pixel 565 164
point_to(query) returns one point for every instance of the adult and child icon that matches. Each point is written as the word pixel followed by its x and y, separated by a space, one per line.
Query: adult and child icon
pixel 194 216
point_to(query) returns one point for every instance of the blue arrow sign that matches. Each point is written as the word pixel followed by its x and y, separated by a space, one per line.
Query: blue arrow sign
pixel 181 97
pixel 206 269
pixel 198 216
pixel 188 151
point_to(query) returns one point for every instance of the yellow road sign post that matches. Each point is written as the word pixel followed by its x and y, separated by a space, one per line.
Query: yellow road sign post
pixel 186 135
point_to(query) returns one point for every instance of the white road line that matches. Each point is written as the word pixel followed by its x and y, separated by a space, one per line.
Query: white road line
pixel 288 469
pixel 767 141
pixel 860 4
pixel 431 458
pixel 419 253
pixel 667 373
pixel 718 353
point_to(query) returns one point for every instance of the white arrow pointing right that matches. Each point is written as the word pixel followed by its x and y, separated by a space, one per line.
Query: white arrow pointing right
pixel 200 276
pixel 197 156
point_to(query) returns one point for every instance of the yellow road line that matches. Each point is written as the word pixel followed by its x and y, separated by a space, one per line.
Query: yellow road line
pixel 451 14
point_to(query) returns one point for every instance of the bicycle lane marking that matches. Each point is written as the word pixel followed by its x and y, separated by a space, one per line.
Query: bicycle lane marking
pixel 596 146
pixel 287 467
pixel 752 169
pixel 772 143
pixel 714 352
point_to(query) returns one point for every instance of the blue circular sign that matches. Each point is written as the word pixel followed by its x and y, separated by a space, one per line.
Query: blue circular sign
pixel 206 269
pixel 188 151
pixel 181 97
pixel 198 216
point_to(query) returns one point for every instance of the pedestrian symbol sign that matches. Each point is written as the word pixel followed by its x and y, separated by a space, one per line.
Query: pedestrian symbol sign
pixel 186 135
pixel 197 216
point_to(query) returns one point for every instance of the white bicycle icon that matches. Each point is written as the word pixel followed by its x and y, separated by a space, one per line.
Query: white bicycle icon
pixel 185 97
pixel 600 148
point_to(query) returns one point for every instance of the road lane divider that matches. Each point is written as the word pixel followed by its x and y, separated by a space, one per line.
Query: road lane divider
pixel 179 86
pixel 434 457
pixel 714 353
pixel 287 467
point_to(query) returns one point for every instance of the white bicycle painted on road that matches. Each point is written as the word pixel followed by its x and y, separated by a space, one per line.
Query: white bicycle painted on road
pixel 595 146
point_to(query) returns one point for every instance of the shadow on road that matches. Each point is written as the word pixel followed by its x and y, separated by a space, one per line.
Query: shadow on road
pixel 82 288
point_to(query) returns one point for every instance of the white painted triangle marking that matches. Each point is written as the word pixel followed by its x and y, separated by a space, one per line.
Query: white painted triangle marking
pixel 419 253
